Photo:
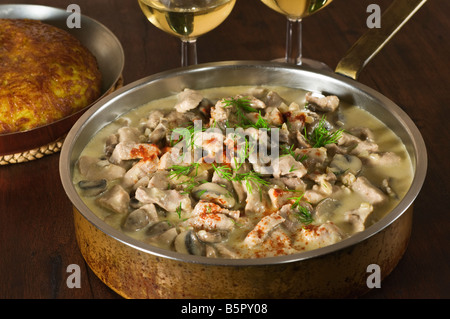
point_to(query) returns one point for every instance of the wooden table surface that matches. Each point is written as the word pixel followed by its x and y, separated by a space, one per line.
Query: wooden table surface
pixel 37 241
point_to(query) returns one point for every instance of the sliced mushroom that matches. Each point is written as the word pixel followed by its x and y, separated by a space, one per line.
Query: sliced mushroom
pixel 214 193
pixel 158 228
pixel 92 188
pixel 140 218
pixel 344 163
pixel 115 199
pixel 166 239
pixel 325 209
pixel 92 168
pixel 210 237
pixel 187 242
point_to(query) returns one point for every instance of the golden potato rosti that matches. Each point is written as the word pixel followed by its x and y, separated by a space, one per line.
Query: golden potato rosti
pixel 45 74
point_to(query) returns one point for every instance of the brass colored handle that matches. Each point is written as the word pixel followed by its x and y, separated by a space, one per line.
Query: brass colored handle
pixel 370 43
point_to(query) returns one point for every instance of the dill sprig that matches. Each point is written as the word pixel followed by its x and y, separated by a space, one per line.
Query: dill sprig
pixel 321 136
pixel 179 170
pixel 242 106
pixel 289 150
pixel 248 178
pixel 179 211
pixel 190 171
pixel 303 214
pixel 224 171
pixel 187 134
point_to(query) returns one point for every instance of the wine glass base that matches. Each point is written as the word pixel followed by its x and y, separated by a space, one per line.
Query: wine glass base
pixel 314 64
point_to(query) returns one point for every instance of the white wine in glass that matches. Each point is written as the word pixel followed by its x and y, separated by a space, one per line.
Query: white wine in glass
pixel 187 19
pixel 295 11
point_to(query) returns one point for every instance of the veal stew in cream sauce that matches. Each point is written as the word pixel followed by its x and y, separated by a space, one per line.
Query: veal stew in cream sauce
pixel 243 172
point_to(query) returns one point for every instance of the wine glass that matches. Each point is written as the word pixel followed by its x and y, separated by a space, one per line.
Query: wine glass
pixel 295 11
pixel 187 19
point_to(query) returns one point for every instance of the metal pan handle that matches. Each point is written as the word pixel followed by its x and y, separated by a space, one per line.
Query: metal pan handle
pixel 370 43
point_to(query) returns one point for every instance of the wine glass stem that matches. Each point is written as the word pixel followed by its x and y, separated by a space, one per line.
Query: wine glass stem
pixel 188 52
pixel 294 41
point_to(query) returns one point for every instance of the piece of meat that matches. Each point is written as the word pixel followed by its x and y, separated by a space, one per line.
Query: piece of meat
pixel 154 118
pixel 287 166
pixel 355 145
pixel 176 155
pixel 368 191
pixel 313 196
pixel 125 151
pixel 211 221
pixel 324 183
pixel 256 201
pixel 253 101
pixel 115 199
pixel 364 148
pixel 347 139
pixel 357 217
pixel 323 103
pixel 262 229
pixel 94 169
pixel 316 236
pixel 311 157
pixel 158 135
pixel 128 134
pixel 138 171
pixel 187 100
pixel 363 133
pixel 279 197
pixel 206 207
pixel 273 116
pixel 210 141
pixel 170 199
pixel 220 112
pixel 382 159
pixel 160 179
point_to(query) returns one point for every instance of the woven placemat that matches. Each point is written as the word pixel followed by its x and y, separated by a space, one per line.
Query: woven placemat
pixel 33 154
pixel 51 148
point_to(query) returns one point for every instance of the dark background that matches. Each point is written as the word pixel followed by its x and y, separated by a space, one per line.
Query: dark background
pixel 37 240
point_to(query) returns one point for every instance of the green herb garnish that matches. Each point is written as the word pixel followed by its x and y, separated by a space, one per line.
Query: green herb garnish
pixel 250 177
pixel 176 171
pixel 321 136
pixel 229 174
pixel 303 215
pixel 242 106
pixel 286 150
pixel 178 211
